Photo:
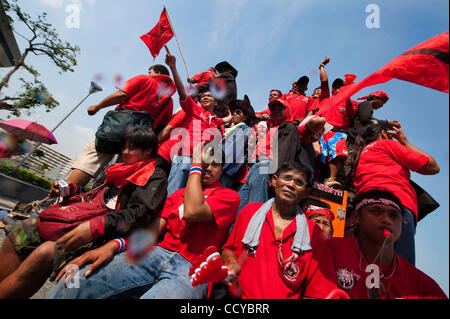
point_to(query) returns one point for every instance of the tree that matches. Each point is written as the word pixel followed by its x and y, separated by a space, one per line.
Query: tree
pixel 43 40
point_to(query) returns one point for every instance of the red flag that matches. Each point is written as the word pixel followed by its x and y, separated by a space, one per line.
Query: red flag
pixel 425 64
pixel 157 37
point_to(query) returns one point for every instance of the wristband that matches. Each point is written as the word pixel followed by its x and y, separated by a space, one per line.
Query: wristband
pixel 196 169
pixel 322 65
pixel 122 244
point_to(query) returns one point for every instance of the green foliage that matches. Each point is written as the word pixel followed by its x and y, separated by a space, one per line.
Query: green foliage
pixel 42 40
pixel 23 174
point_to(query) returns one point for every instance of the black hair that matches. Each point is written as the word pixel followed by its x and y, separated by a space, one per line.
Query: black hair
pixel 317 88
pixel 161 69
pixel 316 202
pixel 337 83
pixel 294 165
pixel 142 138
pixel 276 90
pixel 371 134
pixel 304 80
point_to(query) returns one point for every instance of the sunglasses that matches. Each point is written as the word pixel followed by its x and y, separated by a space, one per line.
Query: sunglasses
pixel 238 112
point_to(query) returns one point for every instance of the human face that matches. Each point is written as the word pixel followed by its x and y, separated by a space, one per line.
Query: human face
pixel 277 111
pixel 131 154
pixel 316 93
pixel 377 103
pixel 273 96
pixel 373 219
pixel 301 88
pixel 211 173
pixel 290 186
pixel 238 116
pixel 208 101
pixel 152 72
pixel 324 223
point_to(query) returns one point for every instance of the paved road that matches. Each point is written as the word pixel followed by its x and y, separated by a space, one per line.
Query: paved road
pixel 8 204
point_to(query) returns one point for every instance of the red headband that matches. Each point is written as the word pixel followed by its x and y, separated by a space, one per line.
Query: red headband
pixel 316 210
pixel 379 94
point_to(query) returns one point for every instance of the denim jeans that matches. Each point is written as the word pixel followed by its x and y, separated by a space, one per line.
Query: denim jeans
pixel 405 246
pixel 179 173
pixel 255 189
pixel 163 274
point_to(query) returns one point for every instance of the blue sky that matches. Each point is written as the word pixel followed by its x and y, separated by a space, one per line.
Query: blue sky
pixel 271 43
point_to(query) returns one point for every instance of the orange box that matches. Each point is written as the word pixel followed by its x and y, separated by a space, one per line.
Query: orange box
pixel 337 199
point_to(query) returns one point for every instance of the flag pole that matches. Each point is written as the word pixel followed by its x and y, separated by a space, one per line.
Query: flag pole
pixel 178 43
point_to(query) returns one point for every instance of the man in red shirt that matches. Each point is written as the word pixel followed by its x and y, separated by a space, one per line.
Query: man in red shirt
pixel 195 218
pixel 199 124
pixel 298 102
pixel 203 77
pixel 386 164
pixel 274 250
pixel 150 93
pixel 274 94
pixel 367 266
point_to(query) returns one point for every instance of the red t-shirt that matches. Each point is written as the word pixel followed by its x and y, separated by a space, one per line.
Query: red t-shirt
pixel 406 282
pixel 341 115
pixel 145 93
pixel 197 120
pixel 386 165
pixel 203 77
pixel 261 276
pixel 191 239
pixel 165 146
pixel 299 104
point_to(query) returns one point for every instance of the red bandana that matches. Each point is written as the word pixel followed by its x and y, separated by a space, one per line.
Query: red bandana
pixel 137 173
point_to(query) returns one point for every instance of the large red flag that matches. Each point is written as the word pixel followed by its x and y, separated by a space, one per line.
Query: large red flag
pixel 157 37
pixel 425 64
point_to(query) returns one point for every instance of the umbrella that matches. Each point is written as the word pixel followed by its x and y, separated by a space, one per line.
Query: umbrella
pixel 29 130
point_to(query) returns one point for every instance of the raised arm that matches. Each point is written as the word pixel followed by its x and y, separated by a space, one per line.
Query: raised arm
pixel 112 99
pixel 171 62
pixel 431 167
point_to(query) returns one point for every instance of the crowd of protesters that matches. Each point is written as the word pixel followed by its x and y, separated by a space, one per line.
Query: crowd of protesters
pixel 217 173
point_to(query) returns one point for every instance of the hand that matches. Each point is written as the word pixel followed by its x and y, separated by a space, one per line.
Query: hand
pixel 316 125
pixel 191 80
pixel 399 135
pixel 325 60
pixel 171 60
pixel 197 153
pixel 97 257
pixel 93 109
pixel 77 237
pixel 393 124
pixel 54 191
pixel 234 268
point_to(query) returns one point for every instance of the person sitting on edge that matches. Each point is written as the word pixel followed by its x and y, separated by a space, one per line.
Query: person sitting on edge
pixel 197 120
pixel 333 143
pixel 274 94
pixel 386 164
pixel 203 77
pixel 150 93
pixel 319 212
pixel 299 103
pixel 195 218
pixel 274 250
pixel 136 192
pixel 367 266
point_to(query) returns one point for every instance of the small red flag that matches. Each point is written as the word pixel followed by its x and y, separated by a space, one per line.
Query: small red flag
pixel 157 37
pixel 425 64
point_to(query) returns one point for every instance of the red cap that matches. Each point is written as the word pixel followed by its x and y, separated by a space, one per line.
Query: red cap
pixel 278 101
pixel 315 210
pixel 379 94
